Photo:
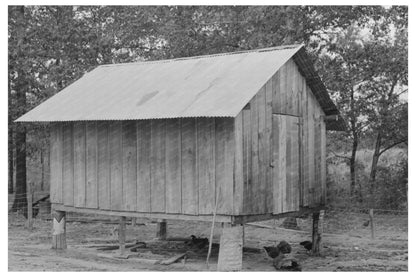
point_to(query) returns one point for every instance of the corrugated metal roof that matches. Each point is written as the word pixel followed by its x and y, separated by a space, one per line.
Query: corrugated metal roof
pixel 205 86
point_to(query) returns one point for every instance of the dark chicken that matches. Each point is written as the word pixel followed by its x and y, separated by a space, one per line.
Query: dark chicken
pixel 307 245
pixel 282 248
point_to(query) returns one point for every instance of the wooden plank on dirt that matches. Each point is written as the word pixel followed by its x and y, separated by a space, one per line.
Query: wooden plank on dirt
pixel 103 165
pixel 190 187
pixel 262 151
pixel 92 172
pixel 224 164
pixel 157 165
pixel 268 147
pixel 173 166
pixel 129 165
pixel 206 164
pixel 116 170
pixel 238 165
pixel 68 164
pixel 79 164
pixel 247 195
pixel 143 165
pixel 56 163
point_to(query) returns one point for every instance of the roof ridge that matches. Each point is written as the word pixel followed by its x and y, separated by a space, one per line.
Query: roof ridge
pixel 275 48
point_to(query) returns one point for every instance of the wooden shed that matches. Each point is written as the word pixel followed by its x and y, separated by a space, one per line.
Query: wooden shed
pixel 238 134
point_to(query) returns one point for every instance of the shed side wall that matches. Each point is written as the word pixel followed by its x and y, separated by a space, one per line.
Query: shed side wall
pixel 176 166
pixel 286 93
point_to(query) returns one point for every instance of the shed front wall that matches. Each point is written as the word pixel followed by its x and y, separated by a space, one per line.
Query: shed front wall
pixel 280 141
pixel 175 166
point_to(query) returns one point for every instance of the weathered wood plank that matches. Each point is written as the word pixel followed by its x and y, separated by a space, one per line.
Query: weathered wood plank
pixel 247 195
pixel 157 165
pixel 224 164
pixel 116 173
pixel 206 164
pixel 92 172
pixel 129 165
pixel 295 164
pixel 268 147
pixel 143 165
pixel 56 163
pixel 79 164
pixel 289 165
pixel 305 146
pixel 68 164
pixel 255 156
pixel 282 90
pixel 276 93
pixel 277 205
pixel 323 162
pixel 238 165
pixel 173 166
pixel 103 165
pixel 318 159
pixel 282 164
pixel 190 187
pixel 311 144
pixel 262 151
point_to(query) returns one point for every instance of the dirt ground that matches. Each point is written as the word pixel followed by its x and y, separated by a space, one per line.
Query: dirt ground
pixel 347 245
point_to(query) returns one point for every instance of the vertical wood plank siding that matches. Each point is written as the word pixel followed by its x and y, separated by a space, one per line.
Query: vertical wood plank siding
pixel 270 158
pixel 56 163
pixel 91 166
pixel 103 165
pixel 79 164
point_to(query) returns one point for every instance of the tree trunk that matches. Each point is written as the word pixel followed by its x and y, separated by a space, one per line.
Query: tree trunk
pixel 10 156
pixel 352 165
pixel 10 144
pixel 21 86
pixel 374 163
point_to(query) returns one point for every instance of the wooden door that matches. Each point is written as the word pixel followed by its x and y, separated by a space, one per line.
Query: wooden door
pixel 286 163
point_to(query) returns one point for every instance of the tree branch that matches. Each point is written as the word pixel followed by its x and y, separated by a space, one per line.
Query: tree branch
pixel 392 145
pixel 340 156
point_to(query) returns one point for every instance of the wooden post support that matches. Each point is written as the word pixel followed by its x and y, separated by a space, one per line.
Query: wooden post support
pixel 317 229
pixel 59 230
pixel 161 230
pixel 29 223
pixel 372 223
pixel 133 221
pixel 230 257
pixel 122 235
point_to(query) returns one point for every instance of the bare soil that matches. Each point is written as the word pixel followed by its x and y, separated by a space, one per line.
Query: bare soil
pixel 347 245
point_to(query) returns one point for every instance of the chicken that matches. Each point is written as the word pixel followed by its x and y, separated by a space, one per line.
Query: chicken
pixel 199 242
pixel 282 248
pixel 272 251
pixel 307 245
pixel 365 224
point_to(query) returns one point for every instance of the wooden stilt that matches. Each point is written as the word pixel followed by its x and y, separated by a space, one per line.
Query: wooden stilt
pixel 161 231
pixel 122 235
pixel 133 221
pixel 317 229
pixel 59 230
pixel 230 257
pixel 371 214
